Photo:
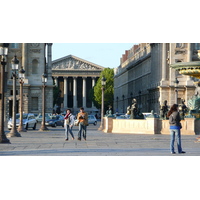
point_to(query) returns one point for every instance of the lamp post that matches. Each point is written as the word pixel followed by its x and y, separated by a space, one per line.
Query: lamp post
pixel 117 104
pixel 176 82
pixel 44 81
pixel 123 103
pixel 131 98
pixel 103 83
pixel 15 65
pixel 21 77
pixel 139 93
pixel 3 54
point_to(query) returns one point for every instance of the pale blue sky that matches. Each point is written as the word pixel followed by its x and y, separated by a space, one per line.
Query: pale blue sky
pixel 103 54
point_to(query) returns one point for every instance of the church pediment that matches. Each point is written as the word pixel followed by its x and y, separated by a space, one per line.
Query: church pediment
pixel 74 63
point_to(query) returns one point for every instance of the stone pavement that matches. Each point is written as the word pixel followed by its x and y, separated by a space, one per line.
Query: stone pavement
pixel 98 143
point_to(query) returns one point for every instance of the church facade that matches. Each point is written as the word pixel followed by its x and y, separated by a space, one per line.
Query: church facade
pixel 75 78
pixel 145 74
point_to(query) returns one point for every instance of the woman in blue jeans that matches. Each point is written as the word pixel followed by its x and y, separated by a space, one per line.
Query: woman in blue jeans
pixel 175 126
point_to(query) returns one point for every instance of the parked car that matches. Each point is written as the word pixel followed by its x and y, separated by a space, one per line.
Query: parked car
pixel 39 117
pixel 29 121
pixel 55 120
pixel 91 120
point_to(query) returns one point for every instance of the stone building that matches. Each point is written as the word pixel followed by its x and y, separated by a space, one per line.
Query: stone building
pixel 75 78
pixel 145 74
pixel 32 56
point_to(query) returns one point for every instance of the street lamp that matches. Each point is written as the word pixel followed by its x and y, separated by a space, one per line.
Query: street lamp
pixel 123 103
pixel 3 54
pixel 176 82
pixel 131 98
pixel 103 83
pixel 44 81
pixel 15 65
pixel 117 104
pixel 21 77
pixel 139 93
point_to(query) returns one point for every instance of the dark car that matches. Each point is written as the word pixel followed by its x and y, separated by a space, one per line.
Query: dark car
pixel 55 120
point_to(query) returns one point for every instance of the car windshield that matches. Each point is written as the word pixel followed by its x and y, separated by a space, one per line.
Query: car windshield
pixel 24 116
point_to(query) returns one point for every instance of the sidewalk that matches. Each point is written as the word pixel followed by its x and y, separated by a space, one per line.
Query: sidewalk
pixel 52 143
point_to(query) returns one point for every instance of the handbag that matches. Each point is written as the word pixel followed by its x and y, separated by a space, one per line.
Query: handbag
pixel 76 123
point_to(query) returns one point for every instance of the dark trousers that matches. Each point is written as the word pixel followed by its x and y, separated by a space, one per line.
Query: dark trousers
pixel 82 129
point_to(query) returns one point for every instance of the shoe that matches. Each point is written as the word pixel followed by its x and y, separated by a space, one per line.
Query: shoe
pixel 182 152
pixel 66 139
pixel 79 139
pixel 173 152
pixel 85 139
pixel 73 138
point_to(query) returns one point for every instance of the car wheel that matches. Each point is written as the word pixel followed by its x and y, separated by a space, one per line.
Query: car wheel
pixel 55 125
pixel 95 123
pixel 34 126
pixel 26 127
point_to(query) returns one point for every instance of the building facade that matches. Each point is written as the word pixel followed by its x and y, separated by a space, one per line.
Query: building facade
pixel 145 74
pixel 75 78
pixel 35 59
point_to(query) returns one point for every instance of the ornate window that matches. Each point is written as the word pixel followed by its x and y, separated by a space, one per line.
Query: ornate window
pixel 197 46
pixel 34 66
pixel 14 45
pixel 34 104
pixel 179 45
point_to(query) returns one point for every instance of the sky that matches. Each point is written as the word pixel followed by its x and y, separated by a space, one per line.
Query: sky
pixel 103 54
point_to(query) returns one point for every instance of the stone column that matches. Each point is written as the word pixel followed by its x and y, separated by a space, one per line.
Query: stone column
pixel 93 84
pixel 24 56
pixel 164 62
pixel 84 92
pixel 75 93
pixel 49 57
pixel 189 57
pixel 65 93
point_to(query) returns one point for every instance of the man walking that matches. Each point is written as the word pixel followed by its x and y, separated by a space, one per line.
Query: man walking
pixel 83 123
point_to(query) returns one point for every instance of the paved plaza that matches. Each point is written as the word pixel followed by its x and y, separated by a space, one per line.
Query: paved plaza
pixel 98 143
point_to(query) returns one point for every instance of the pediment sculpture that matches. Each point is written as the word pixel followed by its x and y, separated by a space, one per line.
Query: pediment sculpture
pixel 74 63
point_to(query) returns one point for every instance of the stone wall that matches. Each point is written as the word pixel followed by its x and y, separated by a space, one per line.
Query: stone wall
pixel 190 126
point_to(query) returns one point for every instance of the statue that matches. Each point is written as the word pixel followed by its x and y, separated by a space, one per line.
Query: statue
pixel 183 109
pixel 194 103
pixel 197 90
pixel 109 112
pixel 132 110
pixel 164 110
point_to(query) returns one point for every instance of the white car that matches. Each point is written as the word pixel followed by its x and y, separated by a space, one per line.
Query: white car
pixel 91 120
pixel 29 121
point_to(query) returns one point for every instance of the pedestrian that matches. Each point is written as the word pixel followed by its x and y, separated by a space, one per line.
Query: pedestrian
pixel 69 122
pixel 83 123
pixel 175 128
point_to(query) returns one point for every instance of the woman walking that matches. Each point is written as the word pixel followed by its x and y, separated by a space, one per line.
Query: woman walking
pixel 175 126
pixel 69 122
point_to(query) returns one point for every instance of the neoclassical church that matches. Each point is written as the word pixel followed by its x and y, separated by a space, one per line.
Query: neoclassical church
pixel 75 78
pixel 35 59
pixel 145 74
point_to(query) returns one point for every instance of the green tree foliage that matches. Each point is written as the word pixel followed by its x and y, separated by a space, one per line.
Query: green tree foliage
pixel 96 93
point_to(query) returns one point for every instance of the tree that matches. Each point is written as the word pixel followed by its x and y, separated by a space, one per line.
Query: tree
pixel 96 93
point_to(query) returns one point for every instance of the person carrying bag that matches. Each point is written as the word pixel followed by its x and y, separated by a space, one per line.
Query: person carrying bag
pixel 69 122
